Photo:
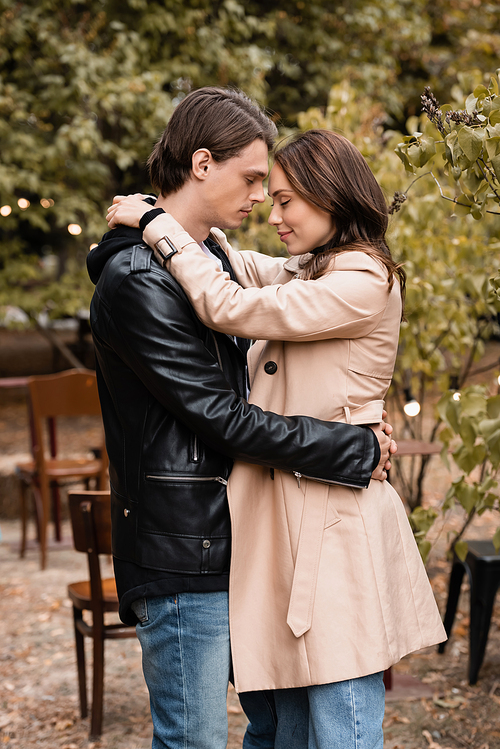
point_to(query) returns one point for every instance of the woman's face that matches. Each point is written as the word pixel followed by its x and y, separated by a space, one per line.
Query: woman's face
pixel 300 224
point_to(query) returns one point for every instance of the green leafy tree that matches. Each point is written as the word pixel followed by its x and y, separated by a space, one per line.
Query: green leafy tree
pixel 85 90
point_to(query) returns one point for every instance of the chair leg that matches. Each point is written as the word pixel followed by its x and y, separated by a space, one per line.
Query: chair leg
pixel 97 688
pixel 44 520
pixel 80 662
pixel 24 516
pixel 456 577
pixel 481 609
pixel 56 509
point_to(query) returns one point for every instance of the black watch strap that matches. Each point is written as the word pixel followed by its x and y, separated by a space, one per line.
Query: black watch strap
pixel 148 217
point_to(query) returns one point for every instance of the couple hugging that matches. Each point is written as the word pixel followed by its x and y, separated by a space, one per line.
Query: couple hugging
pixel 255 537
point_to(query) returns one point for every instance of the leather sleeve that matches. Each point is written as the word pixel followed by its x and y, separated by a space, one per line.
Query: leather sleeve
pixel 161 343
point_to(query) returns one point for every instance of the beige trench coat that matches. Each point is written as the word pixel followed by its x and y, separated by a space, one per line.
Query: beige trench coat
pixel 326 581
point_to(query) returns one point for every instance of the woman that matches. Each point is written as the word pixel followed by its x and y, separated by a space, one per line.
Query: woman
pixel 327 586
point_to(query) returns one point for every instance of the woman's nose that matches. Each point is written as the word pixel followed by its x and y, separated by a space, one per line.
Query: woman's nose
pixel 274 217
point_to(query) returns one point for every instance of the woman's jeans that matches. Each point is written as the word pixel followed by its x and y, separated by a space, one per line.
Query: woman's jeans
pixel 343 715
pixel 186 664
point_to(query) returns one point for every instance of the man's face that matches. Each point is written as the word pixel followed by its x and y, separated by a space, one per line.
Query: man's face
pixel 234 186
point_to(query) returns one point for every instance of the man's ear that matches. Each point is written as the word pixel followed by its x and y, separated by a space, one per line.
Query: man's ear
pixel 202 162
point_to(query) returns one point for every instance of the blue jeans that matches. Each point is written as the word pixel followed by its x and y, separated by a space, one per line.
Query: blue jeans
pixel 343 715
pixel 186 662
pixel 260 710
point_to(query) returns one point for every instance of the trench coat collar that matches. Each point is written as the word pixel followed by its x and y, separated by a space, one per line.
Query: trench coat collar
pixel 293 263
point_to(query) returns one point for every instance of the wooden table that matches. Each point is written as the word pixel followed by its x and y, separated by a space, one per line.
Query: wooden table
pixel 417 447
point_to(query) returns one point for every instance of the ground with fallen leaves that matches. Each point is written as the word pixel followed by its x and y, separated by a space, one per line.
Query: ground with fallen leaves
pixel 38 688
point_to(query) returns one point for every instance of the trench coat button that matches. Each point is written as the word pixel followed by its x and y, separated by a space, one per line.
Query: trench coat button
pixel 126 513
pixel 270 367
pixel 206 544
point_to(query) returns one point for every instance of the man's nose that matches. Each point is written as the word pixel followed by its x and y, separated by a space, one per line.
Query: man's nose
pixel 258 195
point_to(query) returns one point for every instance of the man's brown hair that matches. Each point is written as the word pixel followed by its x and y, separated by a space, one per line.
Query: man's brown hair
pixel 224 121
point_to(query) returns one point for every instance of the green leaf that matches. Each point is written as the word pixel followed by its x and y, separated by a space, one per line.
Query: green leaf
pixel 493 407
pixel 471 141
pixel 496 539
pixel 470 103
pixel 422 519
pixel 495 163
pixel 488 427
pixel 461 548
pixel 401 151
pixel 424 548
pixel 463 205
pixel 468 431
pixel 492 146
pixel 481 91
pixel 451 415
pixel 473 403
pixel 468 458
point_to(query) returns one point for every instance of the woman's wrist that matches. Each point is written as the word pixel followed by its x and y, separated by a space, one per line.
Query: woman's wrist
pixel 147 217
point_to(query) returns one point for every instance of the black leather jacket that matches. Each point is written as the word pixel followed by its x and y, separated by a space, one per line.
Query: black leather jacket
pixel 173 402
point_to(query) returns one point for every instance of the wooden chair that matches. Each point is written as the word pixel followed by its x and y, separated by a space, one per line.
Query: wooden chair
pixel 70 393
pixel 91 522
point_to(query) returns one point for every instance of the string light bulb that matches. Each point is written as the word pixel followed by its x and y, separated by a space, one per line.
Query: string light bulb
pixel 412 406
pixel 455 387
pixel 74 229
pixel 5 210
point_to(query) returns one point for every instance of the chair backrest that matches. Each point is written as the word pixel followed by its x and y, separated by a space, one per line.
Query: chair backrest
pixel 70 393
pixel 90 513
pixel 91 522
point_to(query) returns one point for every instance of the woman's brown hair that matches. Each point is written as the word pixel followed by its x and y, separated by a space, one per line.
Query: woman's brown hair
pixel 327 170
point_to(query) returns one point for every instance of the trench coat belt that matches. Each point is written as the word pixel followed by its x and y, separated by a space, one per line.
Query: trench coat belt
pixel 312 528
pixel 369 413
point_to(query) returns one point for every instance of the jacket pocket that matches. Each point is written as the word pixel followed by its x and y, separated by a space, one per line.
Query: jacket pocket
pixel 184 523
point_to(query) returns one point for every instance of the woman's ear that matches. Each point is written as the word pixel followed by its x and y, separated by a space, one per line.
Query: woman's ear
pixel 201 162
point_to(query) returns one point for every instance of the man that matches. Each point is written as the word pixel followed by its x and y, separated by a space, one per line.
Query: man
pixel 174 409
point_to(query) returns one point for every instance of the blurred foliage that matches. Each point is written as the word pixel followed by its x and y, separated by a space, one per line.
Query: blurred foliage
pixel 87 87
pixel 85 90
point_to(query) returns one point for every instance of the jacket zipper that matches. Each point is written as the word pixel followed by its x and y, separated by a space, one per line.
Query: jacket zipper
pixel 300 476
pixel 217 350
pixel 195 449
pixel 219 479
